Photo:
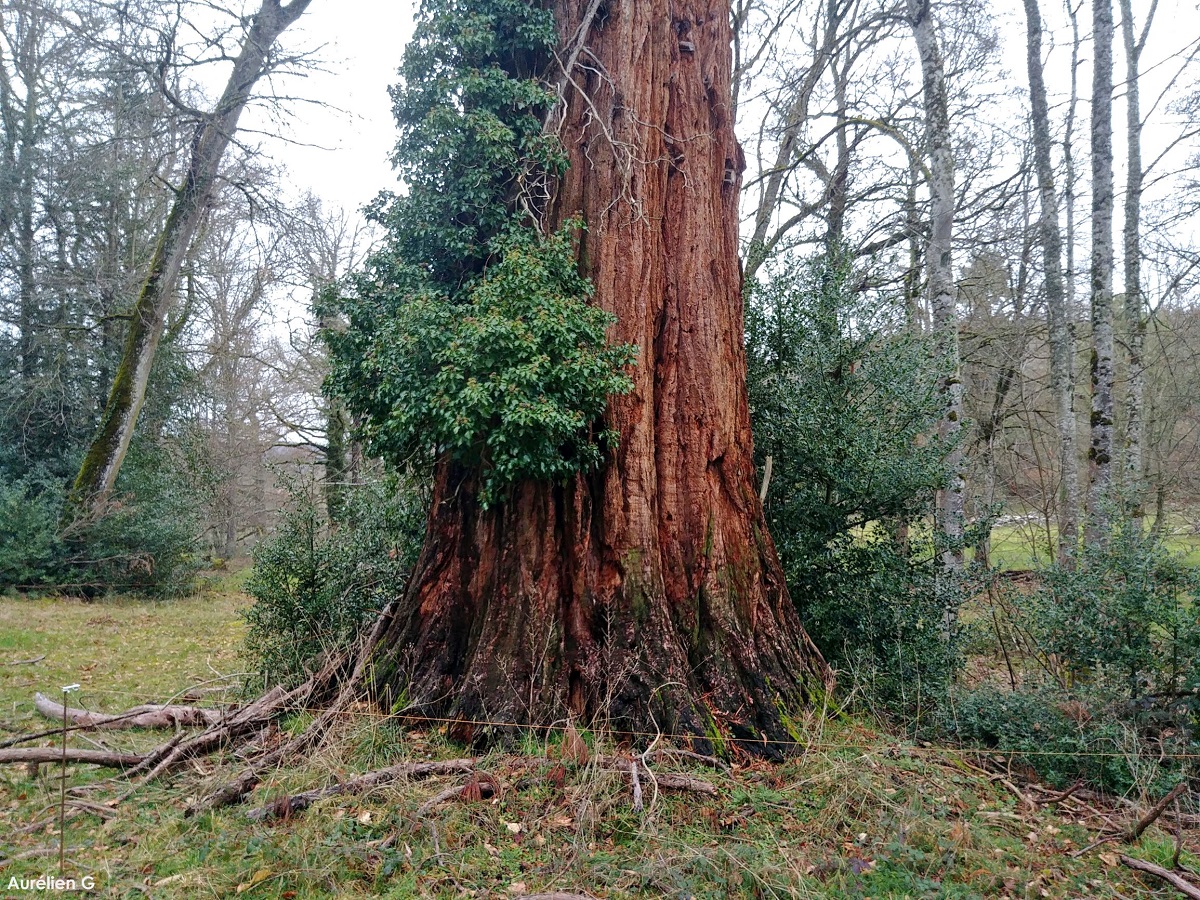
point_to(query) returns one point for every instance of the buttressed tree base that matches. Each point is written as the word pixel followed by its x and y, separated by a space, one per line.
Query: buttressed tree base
pixel 647 596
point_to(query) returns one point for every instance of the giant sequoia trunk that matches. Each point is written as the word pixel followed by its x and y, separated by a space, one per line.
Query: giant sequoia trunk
pixel 647 596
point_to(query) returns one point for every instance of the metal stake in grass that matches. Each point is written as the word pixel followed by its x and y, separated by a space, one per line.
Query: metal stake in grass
pixel 62 789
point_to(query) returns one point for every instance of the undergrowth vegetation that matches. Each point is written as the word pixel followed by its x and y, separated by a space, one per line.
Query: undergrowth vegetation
pixel 1088 670
pixel 316 585
pixel 854 814
pixel 145 540
pixel 843 402
pixel 1096 670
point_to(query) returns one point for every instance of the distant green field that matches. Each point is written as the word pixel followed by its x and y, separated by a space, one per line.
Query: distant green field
pixel 1027 545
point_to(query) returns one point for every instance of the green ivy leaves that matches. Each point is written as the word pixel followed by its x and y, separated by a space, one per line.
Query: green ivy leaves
pixel 468 334
pixel 510 382
pixel 470 106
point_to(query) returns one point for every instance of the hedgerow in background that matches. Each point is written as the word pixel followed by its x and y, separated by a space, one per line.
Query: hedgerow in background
pixel 509 382
pixel 844 401
pixel 315 587
pixel 148 541
pixel 1110 665
pixel 145 542
pixel 30 546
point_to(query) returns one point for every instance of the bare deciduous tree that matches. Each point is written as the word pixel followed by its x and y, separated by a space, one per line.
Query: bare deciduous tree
pixel 943 293
pixel 213 135
pixel 1062 341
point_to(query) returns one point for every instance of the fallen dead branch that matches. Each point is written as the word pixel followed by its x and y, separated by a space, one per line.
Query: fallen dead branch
pixel 251 718
pixel 450 793
pixel 151 715
pixel 481 787
pixel 672 782
pixel 672 753
pixel 96 809
pixel 1015 791
pixel 286 807
pixel 1155 811
pixel 666 781
pixel 556 896
pixel 1099 842
pixel 1112 832
pixel 1178 882
pixel 56 754
pixel 36 736
pixel 1060 797
pixel 248 718
pixel 249 778
pixel 26 662
pixel 158 753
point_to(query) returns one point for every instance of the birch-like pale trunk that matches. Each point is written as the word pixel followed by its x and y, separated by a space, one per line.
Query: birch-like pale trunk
pixel 1100 453
pixel 1072 179
pixel 102 463
pixel 1062 348
pixel 939 261
pixel 1135 306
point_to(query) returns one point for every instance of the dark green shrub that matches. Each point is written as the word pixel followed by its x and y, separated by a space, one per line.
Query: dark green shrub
pixel 147 542
pixel 1109 668
pixel 843 400
pixel 880 617
pixel 31 553
pixel 144 542
pixel 1123 618
pixel 468 335
pixel 315 588
pixel 1060 738
pixel 473 150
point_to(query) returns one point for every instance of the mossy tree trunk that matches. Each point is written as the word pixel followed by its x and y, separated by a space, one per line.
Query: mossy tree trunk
pixel 102 462
pixel 647 596
pixel 1100 453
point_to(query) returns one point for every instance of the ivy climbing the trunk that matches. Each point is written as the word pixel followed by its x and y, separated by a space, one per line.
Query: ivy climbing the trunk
pixel 507 383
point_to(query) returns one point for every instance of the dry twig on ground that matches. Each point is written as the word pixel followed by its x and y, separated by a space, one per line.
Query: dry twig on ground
pixel 150 715
pixel 1178 882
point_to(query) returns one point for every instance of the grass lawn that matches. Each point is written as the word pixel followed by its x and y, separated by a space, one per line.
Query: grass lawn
pixel 121 652
pixel 858 814
pixel 1026 546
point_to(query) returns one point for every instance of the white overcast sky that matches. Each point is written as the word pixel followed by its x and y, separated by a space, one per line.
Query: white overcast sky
pixel 342 139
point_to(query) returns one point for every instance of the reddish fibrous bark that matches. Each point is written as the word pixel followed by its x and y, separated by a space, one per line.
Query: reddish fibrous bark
pixel 647 596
